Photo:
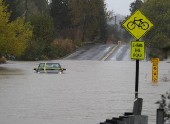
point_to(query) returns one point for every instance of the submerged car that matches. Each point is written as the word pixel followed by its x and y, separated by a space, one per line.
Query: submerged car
pixel 49 67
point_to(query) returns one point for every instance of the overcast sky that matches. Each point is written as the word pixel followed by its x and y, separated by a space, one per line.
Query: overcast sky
pixel 119 6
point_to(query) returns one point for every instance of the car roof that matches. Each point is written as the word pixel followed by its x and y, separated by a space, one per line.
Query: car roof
pixel 49 62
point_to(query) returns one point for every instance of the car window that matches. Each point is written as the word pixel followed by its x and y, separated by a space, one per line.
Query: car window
pixel 41 65
pixel 52 65
pixel 56 66
pixel 48 65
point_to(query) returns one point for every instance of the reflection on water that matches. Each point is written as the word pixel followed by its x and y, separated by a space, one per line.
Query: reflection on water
pixel 10 71
pixel 88 92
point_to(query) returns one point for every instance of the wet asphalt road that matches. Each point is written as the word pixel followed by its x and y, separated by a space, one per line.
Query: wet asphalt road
pixel 100 51
pixel 121 53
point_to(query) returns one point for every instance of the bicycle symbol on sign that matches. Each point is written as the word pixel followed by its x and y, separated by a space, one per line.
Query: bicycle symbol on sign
pixel 132 24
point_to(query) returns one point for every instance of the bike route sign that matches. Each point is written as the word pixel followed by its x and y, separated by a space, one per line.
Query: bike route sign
pixel 137 24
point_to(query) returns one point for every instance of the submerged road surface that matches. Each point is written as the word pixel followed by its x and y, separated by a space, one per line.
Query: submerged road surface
pixel 87 93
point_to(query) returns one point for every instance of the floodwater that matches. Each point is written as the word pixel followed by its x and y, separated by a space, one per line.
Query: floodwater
pixel 88 92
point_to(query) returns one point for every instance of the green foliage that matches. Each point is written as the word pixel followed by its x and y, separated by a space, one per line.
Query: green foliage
pixel 12 7
pixel 60 13
pixel 77 20
pixel 13 36
pixel 158 11
pixel 18 7
pixel 164 103
pixel 42 46
pixel 135 5
pixel 155 53
pixel 34 50
pixel 42 6
pixel 43 27
pixel 90 16
pixel 42 38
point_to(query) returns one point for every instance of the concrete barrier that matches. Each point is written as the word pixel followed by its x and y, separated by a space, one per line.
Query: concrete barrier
pixel 138 119
pixel 160 116
pixel 134 117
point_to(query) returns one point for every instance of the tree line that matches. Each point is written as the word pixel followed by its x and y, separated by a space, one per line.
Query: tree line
pixel 45 29
pixel 50 29
pixel 158 38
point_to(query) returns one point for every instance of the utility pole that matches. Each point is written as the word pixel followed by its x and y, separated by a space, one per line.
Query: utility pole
pixel 115 20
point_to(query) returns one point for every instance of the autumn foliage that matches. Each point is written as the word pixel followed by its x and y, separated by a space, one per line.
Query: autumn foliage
pixel 13 35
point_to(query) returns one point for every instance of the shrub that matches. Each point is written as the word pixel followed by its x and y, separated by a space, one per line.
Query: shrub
pixel 64 46
pixel 164 103
pixel 165 78
pixel 2 60
pixel 72 33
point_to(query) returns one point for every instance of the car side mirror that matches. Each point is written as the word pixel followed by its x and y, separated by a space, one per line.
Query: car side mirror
pixel 63 69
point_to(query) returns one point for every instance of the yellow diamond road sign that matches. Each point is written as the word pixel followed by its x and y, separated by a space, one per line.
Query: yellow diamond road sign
pixel 137 25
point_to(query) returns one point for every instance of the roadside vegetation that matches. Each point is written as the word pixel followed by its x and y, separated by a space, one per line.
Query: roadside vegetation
pixel 50 29
pixel 164 104
pixel 158 39
pixel 41 29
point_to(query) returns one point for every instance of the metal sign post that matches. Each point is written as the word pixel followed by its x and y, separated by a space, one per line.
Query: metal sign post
pixel 137 25
pixel 137 52
pixel 137 79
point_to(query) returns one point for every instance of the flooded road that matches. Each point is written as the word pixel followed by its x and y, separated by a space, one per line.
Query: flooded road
pixel 87 93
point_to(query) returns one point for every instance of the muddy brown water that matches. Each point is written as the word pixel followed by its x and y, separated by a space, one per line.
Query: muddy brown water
pixel 88 92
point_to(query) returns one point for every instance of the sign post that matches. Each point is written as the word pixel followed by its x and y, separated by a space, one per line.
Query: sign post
pixel 137 52
pixel 137 25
